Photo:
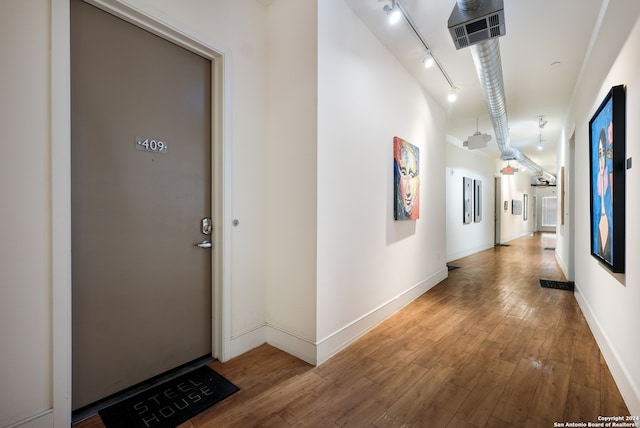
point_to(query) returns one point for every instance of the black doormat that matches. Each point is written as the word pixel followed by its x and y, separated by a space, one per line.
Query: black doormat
pixel 170 403
pixel 503 245
pixel 558 285
pixel 549 248
pixel 450 268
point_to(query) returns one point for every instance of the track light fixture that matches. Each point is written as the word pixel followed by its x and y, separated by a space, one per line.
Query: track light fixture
pixel 452 96
pixel 395 10
pixel 428 59
pixel 541 122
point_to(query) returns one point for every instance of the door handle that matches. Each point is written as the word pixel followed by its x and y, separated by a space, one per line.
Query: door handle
pixel 204 244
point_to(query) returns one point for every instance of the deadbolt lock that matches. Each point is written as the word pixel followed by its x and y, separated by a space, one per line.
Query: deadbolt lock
pixel 207 226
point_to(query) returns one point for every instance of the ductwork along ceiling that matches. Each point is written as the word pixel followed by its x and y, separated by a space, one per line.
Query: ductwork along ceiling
pixel 477 24
pixel 540 58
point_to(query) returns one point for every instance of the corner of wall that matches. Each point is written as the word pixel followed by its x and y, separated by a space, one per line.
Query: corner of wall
pixel 316 353
pixel 291 180
pixel 244 342
pixel 292 343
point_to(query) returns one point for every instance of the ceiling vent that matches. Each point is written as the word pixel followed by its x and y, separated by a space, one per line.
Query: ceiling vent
pixel 468 27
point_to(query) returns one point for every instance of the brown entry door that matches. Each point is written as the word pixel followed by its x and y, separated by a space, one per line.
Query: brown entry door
pixel 141 185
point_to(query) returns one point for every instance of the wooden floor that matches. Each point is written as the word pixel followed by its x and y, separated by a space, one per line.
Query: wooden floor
pixel 485 348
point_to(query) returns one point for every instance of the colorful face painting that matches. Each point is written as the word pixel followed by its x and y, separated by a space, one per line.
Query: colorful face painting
pixel 602 183
pixel 608 165
pixel 406 172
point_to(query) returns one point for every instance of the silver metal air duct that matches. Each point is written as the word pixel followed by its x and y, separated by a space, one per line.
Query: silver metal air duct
pixel 485 52
pixel 486 57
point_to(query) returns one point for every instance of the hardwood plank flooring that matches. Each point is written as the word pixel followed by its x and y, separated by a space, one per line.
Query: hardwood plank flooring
pixel 487 347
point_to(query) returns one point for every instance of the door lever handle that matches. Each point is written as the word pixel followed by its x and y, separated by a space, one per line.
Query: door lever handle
pixel 204 244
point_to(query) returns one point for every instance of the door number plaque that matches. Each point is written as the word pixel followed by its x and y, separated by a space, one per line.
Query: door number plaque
pixel 151 145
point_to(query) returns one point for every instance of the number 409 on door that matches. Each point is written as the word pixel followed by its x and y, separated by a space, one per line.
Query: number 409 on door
pixel 151 145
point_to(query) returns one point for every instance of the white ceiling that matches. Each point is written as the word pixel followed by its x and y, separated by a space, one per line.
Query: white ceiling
pixel 539 33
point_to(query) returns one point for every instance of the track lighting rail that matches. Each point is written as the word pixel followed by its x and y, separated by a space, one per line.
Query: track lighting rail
pixel 418 35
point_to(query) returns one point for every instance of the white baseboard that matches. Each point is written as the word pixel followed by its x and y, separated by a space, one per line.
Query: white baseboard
pixel 41 420
pixel 519 235
pixel 292 343
pixel 275 336
pixel 342 338
pixel 563 266
pixel 628 388
pixel 244 342
pixel 316 353
pixel 465 253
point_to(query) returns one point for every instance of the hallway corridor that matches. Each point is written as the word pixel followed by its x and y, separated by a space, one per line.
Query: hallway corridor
pixel 487 347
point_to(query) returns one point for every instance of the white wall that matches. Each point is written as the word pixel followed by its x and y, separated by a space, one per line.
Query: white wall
pixel 610 301
pixel 466 239
pixel 291 176
pixel 515 187
pixel 25 212
pixel 366 260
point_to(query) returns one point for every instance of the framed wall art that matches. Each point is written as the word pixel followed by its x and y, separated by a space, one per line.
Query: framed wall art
pixel 607 152
pixel 406 174
pixel 516 207
pixel 477 200
pixel 467 200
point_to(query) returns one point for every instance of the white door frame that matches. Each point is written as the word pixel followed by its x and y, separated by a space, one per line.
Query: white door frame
pixel 570 182
pixel 61 181
pixel 497 221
